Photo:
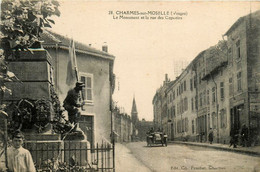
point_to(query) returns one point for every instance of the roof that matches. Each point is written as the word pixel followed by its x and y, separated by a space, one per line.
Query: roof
pixel 242 19
pixel 51 39
pixel 215 58
pixel 170 85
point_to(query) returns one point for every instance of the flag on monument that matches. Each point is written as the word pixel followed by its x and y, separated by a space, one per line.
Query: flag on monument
pixel 71 73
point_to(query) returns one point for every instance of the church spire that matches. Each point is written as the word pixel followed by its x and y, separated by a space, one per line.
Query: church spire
pixel 134 112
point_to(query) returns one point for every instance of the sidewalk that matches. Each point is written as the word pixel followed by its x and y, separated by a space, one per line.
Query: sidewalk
pixel 125 161
pixel 255 150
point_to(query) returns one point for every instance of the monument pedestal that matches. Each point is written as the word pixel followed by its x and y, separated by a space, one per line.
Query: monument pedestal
pixel 44 147
pixel 77 152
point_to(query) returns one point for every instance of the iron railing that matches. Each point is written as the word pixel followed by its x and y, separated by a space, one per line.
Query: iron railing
pixel 71 156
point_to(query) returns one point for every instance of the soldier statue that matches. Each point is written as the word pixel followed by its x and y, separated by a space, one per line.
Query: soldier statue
pixel 72 104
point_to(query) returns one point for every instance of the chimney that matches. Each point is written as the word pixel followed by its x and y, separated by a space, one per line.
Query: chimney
pixel 104 47
pixel 166 77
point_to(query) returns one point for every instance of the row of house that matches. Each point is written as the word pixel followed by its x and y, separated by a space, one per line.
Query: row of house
pixel 219 89
pixel 123 126
pixel 129 128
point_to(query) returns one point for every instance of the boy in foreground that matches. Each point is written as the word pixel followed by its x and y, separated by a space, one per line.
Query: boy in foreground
pixel 19 159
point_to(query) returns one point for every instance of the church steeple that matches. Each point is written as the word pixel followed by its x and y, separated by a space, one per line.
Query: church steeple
pixel 134 112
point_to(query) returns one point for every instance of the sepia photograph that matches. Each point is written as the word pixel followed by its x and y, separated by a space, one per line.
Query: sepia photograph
pixel 131 85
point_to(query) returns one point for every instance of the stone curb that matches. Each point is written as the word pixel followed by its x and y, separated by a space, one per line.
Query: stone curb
pixel 219 148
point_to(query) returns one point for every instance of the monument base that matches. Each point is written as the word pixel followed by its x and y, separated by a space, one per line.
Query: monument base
pixel 77 152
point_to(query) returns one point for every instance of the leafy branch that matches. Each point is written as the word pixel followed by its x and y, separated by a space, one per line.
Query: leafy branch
pixel 22 22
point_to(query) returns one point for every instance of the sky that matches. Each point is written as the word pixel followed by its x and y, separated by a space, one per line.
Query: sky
pixel 145 49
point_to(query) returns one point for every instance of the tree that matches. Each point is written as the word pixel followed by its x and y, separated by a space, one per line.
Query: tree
pixel 22 22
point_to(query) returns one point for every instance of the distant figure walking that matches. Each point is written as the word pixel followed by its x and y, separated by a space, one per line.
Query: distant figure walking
pixel 18 158
pixel 244 135
pixel 211 136
pixel 234 137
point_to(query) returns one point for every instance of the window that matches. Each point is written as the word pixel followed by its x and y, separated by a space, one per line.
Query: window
pixel 173 95
pixel 230 57
pixel 200 99
pixel 192 122
pixel 238 49
pixel 182 125
pixel 184 85
pixel 173 111
pixel 222 90
pixel 186 124
pixel 87 91
pixel 191 85
pixel 213 96
pixel 223 118
pixel 177 91
pixel 231 86
pixel 208 97
pixel 204 97
pixel 239 83
pixel 182 105
pixel 209 122
pixel 196 102
pixel 179 127
pixel 185 103
pixel 195 82
pixel 178 109
pixel 214 120
pixel 192 107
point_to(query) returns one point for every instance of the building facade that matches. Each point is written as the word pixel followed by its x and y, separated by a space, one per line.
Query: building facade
pixel 122 126
pixel 243 43
pixel 160 106
pixel 96 72
pixel 143 127
pixel 218 90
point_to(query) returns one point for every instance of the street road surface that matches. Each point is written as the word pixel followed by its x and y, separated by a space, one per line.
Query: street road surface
pixel 184 158
pixel 126 161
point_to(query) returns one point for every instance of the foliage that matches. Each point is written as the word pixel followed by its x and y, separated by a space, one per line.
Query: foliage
pixel 22 21
pixel 52 165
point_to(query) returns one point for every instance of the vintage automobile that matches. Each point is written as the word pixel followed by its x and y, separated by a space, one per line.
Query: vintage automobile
pixel 156 138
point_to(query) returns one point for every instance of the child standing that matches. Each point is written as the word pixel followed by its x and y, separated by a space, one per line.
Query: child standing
pixel 19 159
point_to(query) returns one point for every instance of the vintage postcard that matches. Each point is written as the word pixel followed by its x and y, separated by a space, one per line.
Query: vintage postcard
pixel 130 86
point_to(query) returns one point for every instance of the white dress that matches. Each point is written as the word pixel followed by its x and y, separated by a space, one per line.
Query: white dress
pixel 20 160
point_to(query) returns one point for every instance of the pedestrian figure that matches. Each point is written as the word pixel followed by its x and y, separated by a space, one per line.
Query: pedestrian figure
pixel 18 158
pixel 211 136
pixel 234 137
pixel 151 131
pixel 244 135
pixel 72 104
